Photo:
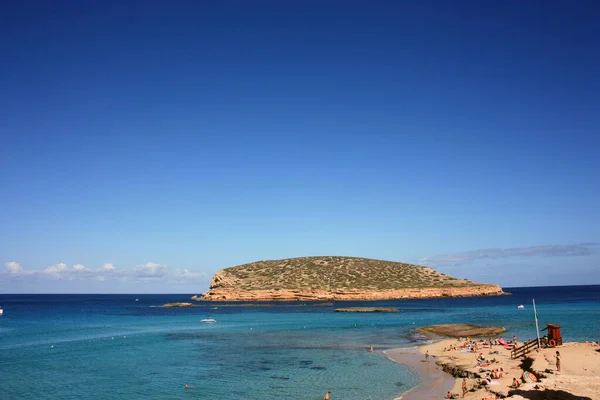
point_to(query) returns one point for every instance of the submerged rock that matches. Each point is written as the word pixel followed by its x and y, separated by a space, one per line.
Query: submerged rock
pixel 366 309
pixel 178 305
pixel 462 330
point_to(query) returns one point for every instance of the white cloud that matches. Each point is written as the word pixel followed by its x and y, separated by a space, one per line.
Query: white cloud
pixel 185 275
pixel 79 267
pixel 150 271
pixel 108 267
pixel 56 269
pixel 532 251
pixel 13 267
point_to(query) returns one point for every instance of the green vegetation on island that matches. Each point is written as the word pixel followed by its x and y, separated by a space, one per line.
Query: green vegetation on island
pixel 332 273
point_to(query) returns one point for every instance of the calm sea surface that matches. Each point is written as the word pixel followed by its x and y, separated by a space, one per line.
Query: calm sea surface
pixel 112 347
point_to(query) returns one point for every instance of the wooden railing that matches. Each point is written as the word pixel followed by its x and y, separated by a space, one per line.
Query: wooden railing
pixel 524 349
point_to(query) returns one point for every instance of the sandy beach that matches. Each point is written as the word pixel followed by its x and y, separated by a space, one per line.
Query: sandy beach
pixel 579 378
pixel 435 383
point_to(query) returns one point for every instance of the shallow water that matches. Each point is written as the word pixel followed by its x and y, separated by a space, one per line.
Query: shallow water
pixel 292 351
pixel 435 383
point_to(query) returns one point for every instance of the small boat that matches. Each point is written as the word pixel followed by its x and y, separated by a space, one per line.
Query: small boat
pixel 208 320
pixel 521 306
pixel 137 299
pixel 1 310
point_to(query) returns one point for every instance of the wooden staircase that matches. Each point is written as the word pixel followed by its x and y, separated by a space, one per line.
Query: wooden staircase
pixel 524 349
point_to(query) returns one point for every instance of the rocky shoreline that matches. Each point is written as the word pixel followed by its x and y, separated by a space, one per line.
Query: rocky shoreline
pixel 226 294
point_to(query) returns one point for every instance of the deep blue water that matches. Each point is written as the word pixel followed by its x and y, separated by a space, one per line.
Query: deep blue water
pixel 112 347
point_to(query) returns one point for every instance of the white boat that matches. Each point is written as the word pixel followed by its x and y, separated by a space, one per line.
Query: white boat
pixel 208 320
pixel 1 310
pixel 137 299
pixel 521 306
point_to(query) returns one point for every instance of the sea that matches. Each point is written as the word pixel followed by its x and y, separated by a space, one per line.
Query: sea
pixel 90 346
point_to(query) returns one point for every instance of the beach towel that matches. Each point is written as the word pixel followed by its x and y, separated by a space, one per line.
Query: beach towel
pixel 502 341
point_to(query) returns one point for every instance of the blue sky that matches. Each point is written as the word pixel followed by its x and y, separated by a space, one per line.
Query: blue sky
pixel 147 144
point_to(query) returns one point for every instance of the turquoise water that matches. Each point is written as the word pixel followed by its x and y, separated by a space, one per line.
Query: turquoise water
pixel 286 351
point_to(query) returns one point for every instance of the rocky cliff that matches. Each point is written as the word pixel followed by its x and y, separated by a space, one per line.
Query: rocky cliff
pixel 337 278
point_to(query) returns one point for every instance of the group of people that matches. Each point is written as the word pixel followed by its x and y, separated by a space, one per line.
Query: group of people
pixel 473 346
pixel 503 342
pixel 484 362
pixel 470 345
pixel 497 373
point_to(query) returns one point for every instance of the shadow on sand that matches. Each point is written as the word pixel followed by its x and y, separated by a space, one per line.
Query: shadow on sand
pixel 547 394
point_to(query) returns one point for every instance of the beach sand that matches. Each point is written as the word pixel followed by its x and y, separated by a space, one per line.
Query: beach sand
pixel 579 378
pixel 435 383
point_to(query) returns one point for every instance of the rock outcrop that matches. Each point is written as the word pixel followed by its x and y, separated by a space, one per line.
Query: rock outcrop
pixel 321 295
pixel 462 330
pixel 337 278
pixel 178 305
pixel 366 309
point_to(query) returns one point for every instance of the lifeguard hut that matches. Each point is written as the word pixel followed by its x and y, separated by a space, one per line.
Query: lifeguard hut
pixel 554 337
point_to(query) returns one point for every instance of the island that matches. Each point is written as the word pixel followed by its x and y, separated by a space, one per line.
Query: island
pixel 326 278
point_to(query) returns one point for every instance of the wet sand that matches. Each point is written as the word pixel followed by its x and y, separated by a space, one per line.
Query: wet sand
pixel 434 383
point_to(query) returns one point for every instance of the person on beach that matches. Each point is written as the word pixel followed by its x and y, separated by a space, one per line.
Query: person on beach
pixel 427 356
pixel 464 386
pixel 515 383
pixel 327 396
pixel 558 357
